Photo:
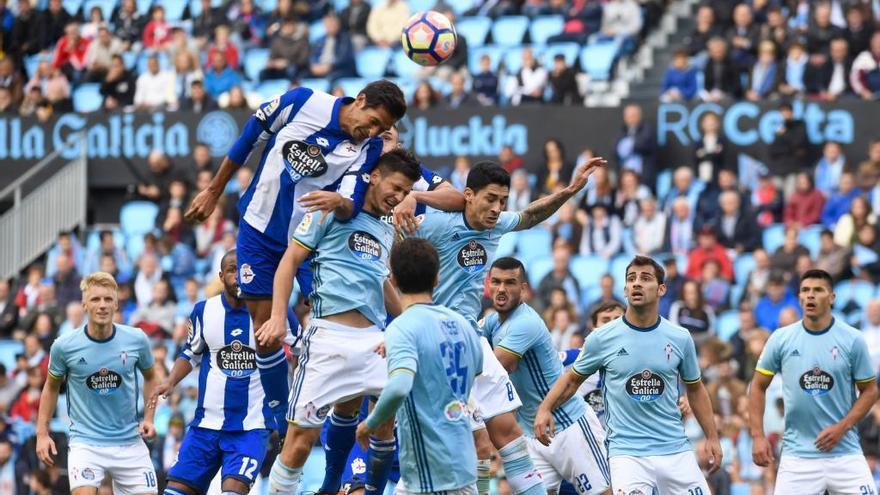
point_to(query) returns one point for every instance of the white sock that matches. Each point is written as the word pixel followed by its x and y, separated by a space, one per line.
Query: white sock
pixel 283 480
pixel 483 477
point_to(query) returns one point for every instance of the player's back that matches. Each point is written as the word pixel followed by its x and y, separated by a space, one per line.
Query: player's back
pixel 102 382
pixel 437 449
pixel 525 334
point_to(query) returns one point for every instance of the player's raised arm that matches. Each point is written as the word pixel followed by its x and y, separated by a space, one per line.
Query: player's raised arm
pixel 541 209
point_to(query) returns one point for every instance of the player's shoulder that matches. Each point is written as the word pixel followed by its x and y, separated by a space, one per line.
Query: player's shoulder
pixel 70 338
pixel 674 331
pixel 608 330
pixel 131 333
pixel 788 331
pixel 845 329
pixel 526 317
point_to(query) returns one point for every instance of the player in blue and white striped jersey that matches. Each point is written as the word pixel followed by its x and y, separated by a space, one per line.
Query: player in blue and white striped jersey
pixel 232 419
pixel 311 140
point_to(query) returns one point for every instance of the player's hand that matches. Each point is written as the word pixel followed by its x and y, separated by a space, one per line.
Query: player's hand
pixel 163 390
pixel 762 453
pixel 325 201
pixel 380 349
pixel 830 437
pixel 405 215
pixel 272 332
pixel 712 450
pixel 147 430
pixel 46 449
pixel 684 407
pixel 583 173
pixel 202 206
pixel 363 435
pixel 544 426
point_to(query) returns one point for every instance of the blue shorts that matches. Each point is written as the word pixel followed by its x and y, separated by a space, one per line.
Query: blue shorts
pixel 240 454
pixel 258 259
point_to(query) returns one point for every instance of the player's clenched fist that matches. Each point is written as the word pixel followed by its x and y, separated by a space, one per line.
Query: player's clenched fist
pixel 46 449
pixel 544 426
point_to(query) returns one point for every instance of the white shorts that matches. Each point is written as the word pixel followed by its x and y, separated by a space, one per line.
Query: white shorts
pixel 577 455
pixel 840 475
pixel 492 393
pixel 467 490
pixel 673 473
pixel 338 363
pixel 129 466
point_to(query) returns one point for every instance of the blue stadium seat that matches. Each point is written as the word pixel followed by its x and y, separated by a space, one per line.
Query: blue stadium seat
pixel 340 5
pixel 475 54
pixel 136 218
pixel 509 30
pixel 144 6
pixel 726 324
pixel 506 245
pixel 403 66
pixel 71 6
pixel 316 31
pixel 31 63
pixel 474 29
pixel 352 85
pixel 811 238
pixel 773 237
pixel 568 50
pixel 617 269
pixel 174 9
pixel 105 5
pixel 597 59
pixel 407 85
pixel 255 60
pixel 664 183
pixel 545 26
pixel 316 84
pixel 268 5
pixel 87 98
pixel 8 350
pixel 736 294
pixel 861 292
pixel 460 6
pixel 372 62
pixel 588 269
pixel 533 243
pixel 420 5
pixel 742 266
pixel 134 246
pixel 538 268
pixel 273 87
pixel 130 59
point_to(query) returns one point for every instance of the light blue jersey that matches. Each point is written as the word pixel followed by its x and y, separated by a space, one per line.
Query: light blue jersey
pixel 102 387
pixel 641 368
pixel 465 256
pixel 525 335
pixel 436 444
pixel 819 373
pixel 350 263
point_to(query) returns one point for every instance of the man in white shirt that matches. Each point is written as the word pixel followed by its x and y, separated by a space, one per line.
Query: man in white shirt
pixel 530 83
pixel 155 89
pixel 651 228
pixel 100 53
pixel 871 331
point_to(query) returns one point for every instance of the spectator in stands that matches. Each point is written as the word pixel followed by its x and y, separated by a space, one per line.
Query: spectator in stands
pixel 832 257
pixel 520 191
pixel 7 106
pixel 186 71
pixel 805 205
pixel 564 328
pixel 333 54
pixel 847 229
pixel 74 318
pixel 129 23
pixel 157 181
pixel 25 36
pixel 89 29
pixel 563 85
pixel 556 170
pixel 9 390
pixel 765 75
pixel 288 52
pixel 209 233
pixel 704 30
pixel 793 68
pixel 559 277
pixel 49 81
pixel 776 27
pixel 425 97
pixel 830 168
pixel 674 284
pixel 243 178
pixel 149 274
pixel 778 297
pixel 459 175
pixel 827 78
pixel 622 19
pixel 651 228
pixel 790 148
pixel 458 61
pixel 100 54
pixel 154 89
pixel 509 160
pixel 857 31
pixel 743 37
pixel 865 75
pixel 868 172
pixel 199 100
pixel 692 313
pixel 871 331
pixel 157 32
pixel 234 99
pixel 736 228
pixel 821 30
pixel 599 190
pixel 8 310
pixel 603 232
pixel 458 97
pixel 629 193
pixel 785 257
pixel 710 153
pixel 838 203
pixel 679 80
pixel 721 78
pixel 684 185
pixel 52 24
pixel 223 45
pixel 28 401
pixel 756 282
pixel 209 17
pixel 11 80
pixel 567 229
pixel 707 201
pixel 385 22
pixel 530 83
pixel 679 238
pixel 202 158
pixel 708 248
pixel 637 144
pixel 354 21
pixel 248 22
pixel 485 83
pixel 221 77
pixel 118 86
pixel 865 262
pixel 107 247
pixel 157 316
pixel 66 280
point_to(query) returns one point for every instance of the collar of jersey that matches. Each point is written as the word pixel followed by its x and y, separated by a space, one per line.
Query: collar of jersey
pixel 334 117
pixel 820 332
pixel 642 329
pixel 108 339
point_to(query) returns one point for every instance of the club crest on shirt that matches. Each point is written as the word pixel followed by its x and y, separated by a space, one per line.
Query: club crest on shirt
pixel 246 274
pixel 472 257
pixel 123 356
pixel 104 381
pixel 834 353
pixel 237 360
pixel 645 386
pixel 303 159
pixel 364 246
pixel 816 382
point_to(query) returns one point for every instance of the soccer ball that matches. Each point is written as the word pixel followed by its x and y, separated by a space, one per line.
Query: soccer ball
pixel 428 38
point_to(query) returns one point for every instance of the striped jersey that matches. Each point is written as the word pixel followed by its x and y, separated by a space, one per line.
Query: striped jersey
pixel 305 150
pixel 221 342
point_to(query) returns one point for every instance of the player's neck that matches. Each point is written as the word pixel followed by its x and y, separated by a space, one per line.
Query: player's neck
pixel 818 324
pixel 470 217
pixel 233 301
pixel 407 300
pixel 99 332
pixel 642 317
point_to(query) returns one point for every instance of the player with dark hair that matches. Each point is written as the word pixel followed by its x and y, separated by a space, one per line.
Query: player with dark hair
pixel 605 312
pixel 642 356
pixel 823 361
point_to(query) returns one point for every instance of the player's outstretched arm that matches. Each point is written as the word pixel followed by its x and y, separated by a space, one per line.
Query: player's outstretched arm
pixel 272 332
pixel 444 197
pixel 700 404
pixel 182 367
pixel 400 382
pixel 562 390
pixel 541 209
pixel 829 437
pixel 205 202
pixel 146 427
pixel 48 400
pixel 762 453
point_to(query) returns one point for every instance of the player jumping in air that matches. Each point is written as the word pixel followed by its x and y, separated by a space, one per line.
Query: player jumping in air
pixel 230 427
pixel 339 363
pixel 311 140
pixel 642 357
pixel 523 346
pixel 99 361
pixel 823 361
pixel 466 242
pixel 433 355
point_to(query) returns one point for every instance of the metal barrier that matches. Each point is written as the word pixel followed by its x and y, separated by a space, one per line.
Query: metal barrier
pixel 32 224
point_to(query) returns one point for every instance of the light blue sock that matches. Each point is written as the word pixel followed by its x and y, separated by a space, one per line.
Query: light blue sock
pixel 524 479
pixel 283 480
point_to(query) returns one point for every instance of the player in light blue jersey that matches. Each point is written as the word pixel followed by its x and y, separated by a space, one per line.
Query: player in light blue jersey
pixel 642 357
pixel 433 357
pixel 311 140
pixel 466 242
pixel 339 363
pixel 524 347
pixel 822 362
pixel 100 361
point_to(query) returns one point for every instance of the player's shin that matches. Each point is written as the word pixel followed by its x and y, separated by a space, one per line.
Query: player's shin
pixel 484 478
pixel 283 480
pixel 380 458
pixel 273 377
pixel 520 471
pixel 339 441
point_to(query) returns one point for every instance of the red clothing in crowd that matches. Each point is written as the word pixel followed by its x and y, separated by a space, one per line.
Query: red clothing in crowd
pixel 156 34
pixel 230 53
pixel 804 208
pixel 699 256
pixel 26 406
pixel 68 51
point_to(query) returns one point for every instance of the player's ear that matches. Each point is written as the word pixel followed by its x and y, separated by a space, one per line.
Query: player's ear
pixel 468 194
pixel 661 290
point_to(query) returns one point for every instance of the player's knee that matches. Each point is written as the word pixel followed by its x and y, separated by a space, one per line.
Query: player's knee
pixel 175 487
pixel 298 445
pixel 234 485
pixel 348 409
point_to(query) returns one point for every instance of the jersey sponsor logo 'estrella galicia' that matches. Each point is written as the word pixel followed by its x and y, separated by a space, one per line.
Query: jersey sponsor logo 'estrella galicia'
pixel 816 382
pixel 302 159
pixel 364 246
pixel 104 381
pixel 472 257
pixel 237 360
pixel 645 386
